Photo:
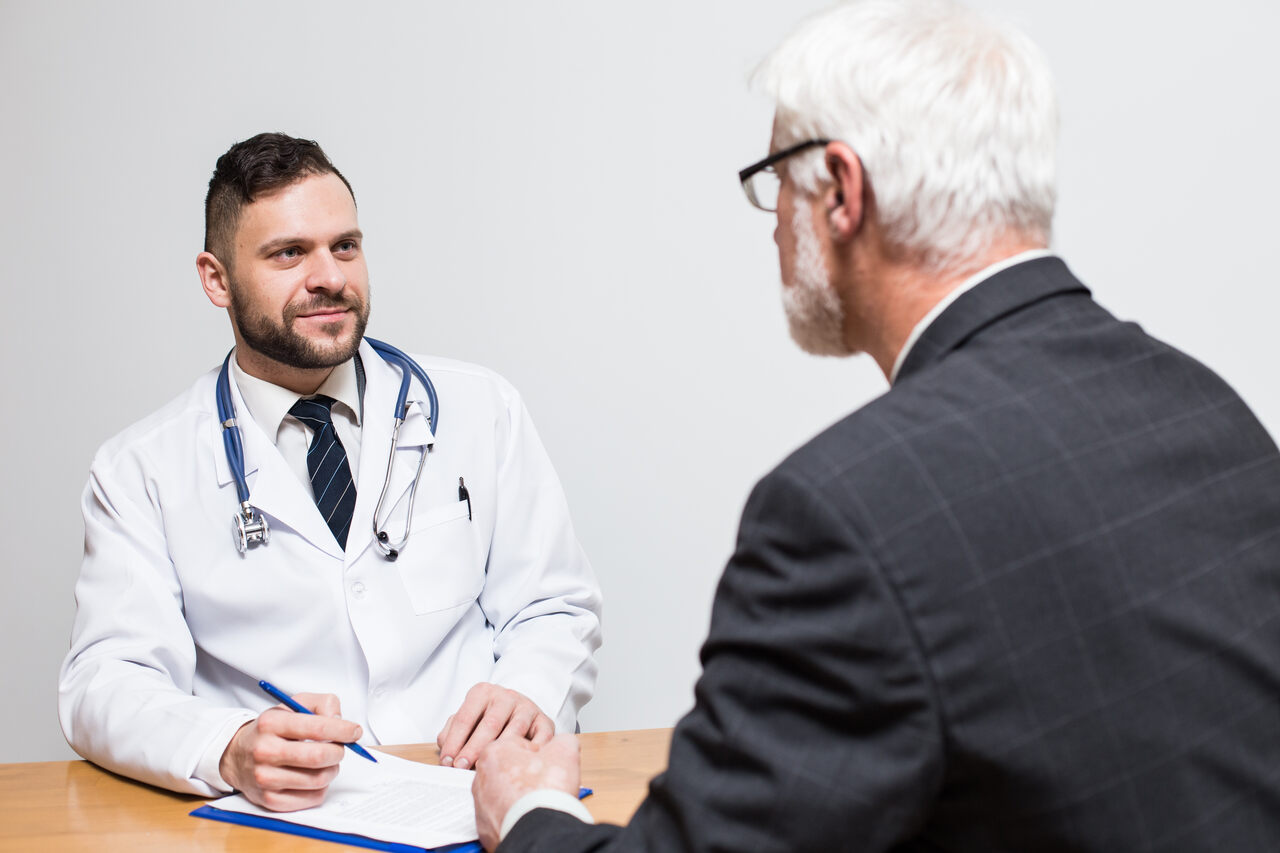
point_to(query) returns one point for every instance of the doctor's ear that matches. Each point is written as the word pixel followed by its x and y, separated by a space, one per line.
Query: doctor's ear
pixel 214 279
pixel 844 202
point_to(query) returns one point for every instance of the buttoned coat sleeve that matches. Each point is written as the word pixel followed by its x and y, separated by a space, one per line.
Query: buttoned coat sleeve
pixel 125 691
pixel 815 724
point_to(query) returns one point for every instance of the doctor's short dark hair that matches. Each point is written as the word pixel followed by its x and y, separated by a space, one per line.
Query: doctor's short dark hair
pixel 258 165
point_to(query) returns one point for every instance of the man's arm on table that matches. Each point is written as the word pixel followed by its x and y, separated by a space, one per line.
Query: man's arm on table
pixel 814 720
pixel 542 597
pixel 125 698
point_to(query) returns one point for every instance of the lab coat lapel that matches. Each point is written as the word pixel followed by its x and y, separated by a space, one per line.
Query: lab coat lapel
pixel 382 386
pixel 273 487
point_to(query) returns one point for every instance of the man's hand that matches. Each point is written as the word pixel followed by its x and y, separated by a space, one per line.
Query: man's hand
pixel 487 712
pixel 284 761
pixel 511 767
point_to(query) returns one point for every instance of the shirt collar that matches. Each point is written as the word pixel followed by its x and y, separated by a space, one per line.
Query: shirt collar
pixel 969 284
pixel 268 403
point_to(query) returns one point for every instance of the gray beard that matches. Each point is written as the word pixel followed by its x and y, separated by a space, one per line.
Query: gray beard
pixel 815 316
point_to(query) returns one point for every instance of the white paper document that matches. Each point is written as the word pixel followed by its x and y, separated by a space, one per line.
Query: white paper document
pixel 393 800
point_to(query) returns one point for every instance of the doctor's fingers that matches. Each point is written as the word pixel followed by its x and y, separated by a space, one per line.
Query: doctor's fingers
pixel 293 726
pixel 525 722
pixel 484 713
pixel 270 751
pixel 324 704
pixel 287 801
pixel 542 729
pixel 296 782
pixel 529 723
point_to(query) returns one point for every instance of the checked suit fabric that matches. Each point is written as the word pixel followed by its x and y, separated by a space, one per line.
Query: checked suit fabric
pixel 1026 600
pixel 331 482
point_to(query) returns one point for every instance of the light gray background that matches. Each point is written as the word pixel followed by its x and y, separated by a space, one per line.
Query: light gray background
pixel 549 189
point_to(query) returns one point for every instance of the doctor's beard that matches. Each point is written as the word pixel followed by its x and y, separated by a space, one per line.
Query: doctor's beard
pixel 815 316
pixel 279 342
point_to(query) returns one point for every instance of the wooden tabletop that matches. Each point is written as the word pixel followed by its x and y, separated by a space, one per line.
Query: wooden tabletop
pixel 74 805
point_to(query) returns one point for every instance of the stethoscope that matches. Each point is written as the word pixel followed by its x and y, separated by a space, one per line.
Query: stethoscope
pixel 250 525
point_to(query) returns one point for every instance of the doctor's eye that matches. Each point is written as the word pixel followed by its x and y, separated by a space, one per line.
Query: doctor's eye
pixel 291 253
pixel 347 247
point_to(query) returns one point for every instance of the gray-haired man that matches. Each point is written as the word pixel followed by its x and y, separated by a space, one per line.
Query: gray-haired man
pixel 1026 600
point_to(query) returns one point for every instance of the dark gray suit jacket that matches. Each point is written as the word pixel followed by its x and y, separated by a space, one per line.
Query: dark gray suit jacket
pixel 1028 600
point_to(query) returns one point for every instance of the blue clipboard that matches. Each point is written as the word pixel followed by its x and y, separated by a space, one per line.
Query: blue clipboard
pixel 278 825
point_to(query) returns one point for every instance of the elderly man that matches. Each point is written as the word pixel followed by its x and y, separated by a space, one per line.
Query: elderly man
pixel 1027 599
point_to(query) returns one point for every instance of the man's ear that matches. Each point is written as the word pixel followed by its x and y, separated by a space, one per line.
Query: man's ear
pixel 214 279
pixel 844 197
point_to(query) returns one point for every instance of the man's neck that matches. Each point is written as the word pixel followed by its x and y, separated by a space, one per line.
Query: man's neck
pixel 903 292
pixel 302 381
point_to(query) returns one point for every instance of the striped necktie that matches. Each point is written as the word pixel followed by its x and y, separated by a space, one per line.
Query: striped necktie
pixel 331 482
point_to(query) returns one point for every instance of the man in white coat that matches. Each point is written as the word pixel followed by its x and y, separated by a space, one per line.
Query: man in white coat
pixel 485 624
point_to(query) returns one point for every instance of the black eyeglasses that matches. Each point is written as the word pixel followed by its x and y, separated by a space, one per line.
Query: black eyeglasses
pixel 760 181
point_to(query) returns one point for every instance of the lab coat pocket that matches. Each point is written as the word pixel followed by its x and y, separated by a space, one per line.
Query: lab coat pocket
pixel 440 567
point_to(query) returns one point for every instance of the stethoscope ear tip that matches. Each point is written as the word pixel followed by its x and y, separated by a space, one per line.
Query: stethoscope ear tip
pixel 391 553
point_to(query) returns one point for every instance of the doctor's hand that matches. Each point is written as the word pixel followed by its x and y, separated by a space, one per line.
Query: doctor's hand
pixel 284 761
pixel 511 767
pixel 487 712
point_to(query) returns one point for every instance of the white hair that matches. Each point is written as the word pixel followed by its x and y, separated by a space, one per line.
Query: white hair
pixel 954 119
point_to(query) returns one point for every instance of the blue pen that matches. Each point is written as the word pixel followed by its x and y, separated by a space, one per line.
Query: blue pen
pixel 285 699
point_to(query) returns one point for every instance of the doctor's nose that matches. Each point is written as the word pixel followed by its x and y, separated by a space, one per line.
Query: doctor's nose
pixel 326 273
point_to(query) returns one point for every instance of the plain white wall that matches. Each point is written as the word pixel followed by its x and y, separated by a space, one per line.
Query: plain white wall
pixel 550 189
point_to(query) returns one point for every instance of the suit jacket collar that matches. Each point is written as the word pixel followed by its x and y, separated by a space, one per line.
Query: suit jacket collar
pixel 1004 293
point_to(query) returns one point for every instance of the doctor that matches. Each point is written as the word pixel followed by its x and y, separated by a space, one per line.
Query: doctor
pixel 485 623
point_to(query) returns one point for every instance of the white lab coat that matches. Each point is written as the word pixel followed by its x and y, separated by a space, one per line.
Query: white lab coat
pixel 174 627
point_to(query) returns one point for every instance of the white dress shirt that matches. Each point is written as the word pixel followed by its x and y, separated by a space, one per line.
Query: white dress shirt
pixel 269 406
pixel 945 302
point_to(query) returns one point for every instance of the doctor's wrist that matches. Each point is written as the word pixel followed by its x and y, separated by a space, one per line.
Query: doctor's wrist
pixel 233 755
pixel 209 769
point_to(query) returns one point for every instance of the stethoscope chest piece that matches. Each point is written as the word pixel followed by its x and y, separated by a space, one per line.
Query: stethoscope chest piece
pixel 250 528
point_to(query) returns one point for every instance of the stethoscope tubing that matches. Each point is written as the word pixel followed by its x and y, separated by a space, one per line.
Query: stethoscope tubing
pixel 409 367
pixel 250 526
